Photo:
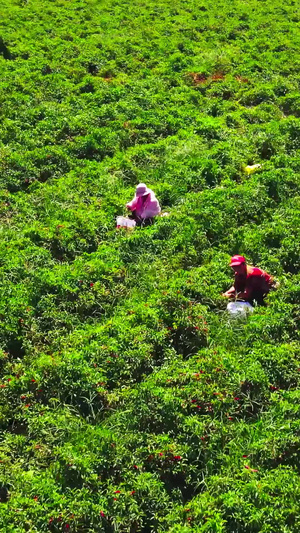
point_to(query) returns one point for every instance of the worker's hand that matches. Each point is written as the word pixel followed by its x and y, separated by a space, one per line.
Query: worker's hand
pixel 227 294
pixel 275 284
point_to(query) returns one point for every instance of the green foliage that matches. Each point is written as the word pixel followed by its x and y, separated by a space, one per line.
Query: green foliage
pixel 129 400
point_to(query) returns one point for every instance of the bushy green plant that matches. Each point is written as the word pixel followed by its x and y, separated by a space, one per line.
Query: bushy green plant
pixel 130 401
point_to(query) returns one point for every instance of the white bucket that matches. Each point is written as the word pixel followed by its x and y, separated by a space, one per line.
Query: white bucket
pixel 239 308
pixel 124 222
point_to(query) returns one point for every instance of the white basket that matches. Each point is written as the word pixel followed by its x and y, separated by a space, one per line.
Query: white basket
pixel 124 222
pixel 239 308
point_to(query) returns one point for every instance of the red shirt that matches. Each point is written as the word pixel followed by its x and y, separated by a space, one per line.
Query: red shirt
pixel 254 281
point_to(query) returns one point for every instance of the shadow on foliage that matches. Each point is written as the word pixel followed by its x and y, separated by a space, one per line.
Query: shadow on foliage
pixel 4 51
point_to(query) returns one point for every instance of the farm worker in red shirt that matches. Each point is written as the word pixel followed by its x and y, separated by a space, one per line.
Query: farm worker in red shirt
pixel 144 205
pixel 251 283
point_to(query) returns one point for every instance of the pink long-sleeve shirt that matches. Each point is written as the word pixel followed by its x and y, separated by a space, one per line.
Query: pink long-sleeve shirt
pixel 150 208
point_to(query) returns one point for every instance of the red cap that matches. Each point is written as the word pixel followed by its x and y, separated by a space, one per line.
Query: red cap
pixel 237 260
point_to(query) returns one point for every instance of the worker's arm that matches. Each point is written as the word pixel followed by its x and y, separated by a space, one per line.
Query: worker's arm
pixel 230 293
pixel 132 205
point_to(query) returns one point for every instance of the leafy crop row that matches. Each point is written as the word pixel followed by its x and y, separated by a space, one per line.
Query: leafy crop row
pixel 129 401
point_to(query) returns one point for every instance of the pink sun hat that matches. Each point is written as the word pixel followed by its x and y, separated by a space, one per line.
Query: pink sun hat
pixel 141 190
pixel 237 260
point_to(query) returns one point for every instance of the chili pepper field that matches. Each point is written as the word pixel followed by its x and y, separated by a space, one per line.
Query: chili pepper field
pixel 129 400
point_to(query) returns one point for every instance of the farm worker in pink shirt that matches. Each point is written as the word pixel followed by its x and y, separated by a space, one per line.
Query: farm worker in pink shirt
pixel 250 283
pixel 144 205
